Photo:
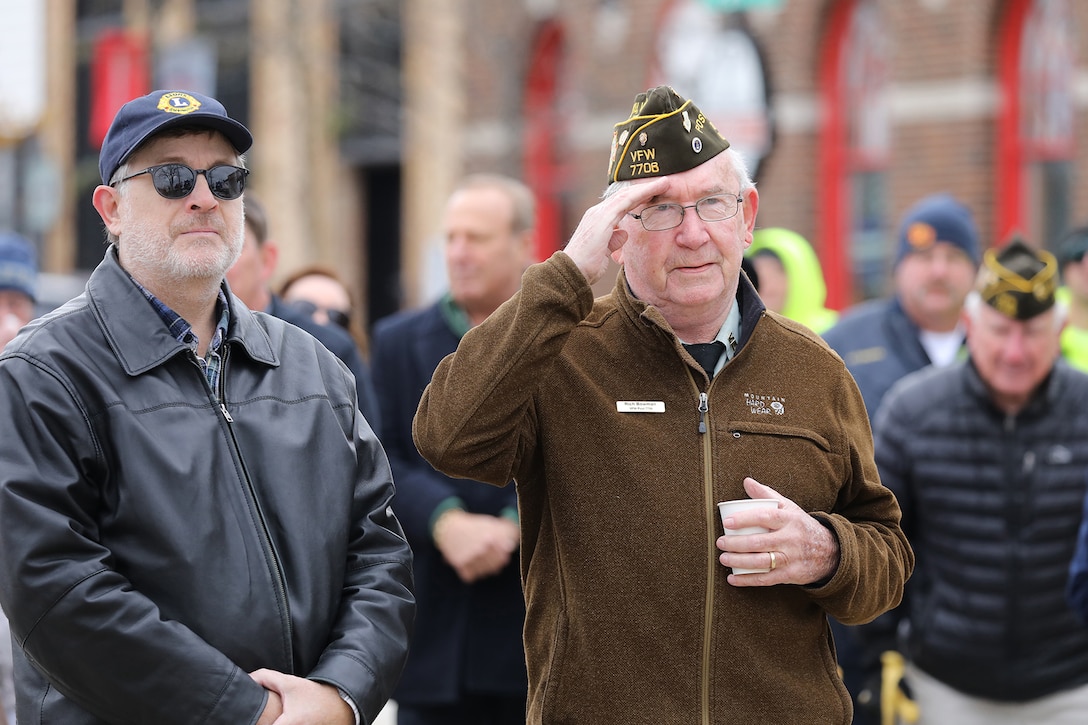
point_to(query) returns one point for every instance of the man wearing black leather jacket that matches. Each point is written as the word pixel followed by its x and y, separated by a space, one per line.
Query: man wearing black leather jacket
pixel 195 521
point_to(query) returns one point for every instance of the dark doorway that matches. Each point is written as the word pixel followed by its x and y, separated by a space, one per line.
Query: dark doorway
pixel 382 229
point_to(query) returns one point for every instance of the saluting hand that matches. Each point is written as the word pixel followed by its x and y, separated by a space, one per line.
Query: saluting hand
pixel 598 235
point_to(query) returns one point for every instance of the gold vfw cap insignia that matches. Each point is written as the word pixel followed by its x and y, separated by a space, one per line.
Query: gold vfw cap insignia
pixel 1018 281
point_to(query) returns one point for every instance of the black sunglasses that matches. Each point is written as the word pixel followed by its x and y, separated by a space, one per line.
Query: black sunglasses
pixel 337 317
pixel 177 181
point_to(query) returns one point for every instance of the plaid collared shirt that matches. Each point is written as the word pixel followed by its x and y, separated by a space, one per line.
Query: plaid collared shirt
pixel 212 363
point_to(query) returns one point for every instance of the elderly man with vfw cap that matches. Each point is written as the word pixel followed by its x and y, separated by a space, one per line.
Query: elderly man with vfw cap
pixel 195 520
pixel 624 420
pixel 988 458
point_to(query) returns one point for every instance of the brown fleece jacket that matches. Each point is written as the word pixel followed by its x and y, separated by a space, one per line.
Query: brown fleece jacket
pixel 630 618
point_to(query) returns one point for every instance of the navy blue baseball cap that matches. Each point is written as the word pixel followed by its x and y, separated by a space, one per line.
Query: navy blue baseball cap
pixel 938 218
pixel 141 118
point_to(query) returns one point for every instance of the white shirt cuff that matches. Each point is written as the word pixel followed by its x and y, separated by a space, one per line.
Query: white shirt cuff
pixel 351 703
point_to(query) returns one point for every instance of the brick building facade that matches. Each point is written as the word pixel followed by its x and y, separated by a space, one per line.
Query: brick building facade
pixel 367 112
pixel 941 88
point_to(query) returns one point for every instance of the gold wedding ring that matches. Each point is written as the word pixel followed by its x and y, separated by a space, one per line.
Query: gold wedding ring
pixel 774 563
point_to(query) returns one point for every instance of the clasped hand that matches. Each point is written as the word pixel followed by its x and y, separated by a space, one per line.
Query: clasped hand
pixel 298 701
pixel 477 545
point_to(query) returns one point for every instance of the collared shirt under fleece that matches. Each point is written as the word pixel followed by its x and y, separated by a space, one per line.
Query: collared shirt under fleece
pixel 593 409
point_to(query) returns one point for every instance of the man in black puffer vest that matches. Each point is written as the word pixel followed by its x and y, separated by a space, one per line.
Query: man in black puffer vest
pixel 988 459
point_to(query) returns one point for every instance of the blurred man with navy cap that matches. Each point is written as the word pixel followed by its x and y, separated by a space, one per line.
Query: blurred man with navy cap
pixel 195 520
pixel 935 262
pixel 18 284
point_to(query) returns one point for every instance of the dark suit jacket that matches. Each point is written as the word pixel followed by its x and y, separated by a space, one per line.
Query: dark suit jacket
pixel 468 637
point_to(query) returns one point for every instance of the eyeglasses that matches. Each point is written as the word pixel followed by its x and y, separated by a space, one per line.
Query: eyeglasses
pixel 177 181
pixel 718 208
pixel 337 317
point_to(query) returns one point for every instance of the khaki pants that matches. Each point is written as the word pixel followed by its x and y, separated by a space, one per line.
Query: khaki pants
pixel 940 704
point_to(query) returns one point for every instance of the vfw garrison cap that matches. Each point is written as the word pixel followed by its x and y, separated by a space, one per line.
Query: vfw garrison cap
pixel 665 134
pixel 1018 281
pixel 141 118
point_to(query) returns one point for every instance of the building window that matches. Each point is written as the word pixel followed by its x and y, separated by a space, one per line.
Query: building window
pixel 854 156
pixel 710 56
pixel 544 173
pixel 1035 128
pixel 866 72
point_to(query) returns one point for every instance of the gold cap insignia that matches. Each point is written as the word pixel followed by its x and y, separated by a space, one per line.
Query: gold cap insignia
pixel 1018 281
pixel 177 102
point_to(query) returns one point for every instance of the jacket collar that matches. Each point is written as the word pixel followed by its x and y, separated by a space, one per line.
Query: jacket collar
pixel 1049 392
pixel 751 307
pixel 136 333
pixel 905 335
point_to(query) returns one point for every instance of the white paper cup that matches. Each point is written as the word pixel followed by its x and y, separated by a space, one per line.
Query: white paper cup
pixel 728 508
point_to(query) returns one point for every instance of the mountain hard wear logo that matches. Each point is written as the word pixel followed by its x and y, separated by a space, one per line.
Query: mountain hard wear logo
pixel 765 404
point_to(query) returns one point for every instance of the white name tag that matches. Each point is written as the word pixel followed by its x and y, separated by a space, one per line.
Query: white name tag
pixel 640 406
